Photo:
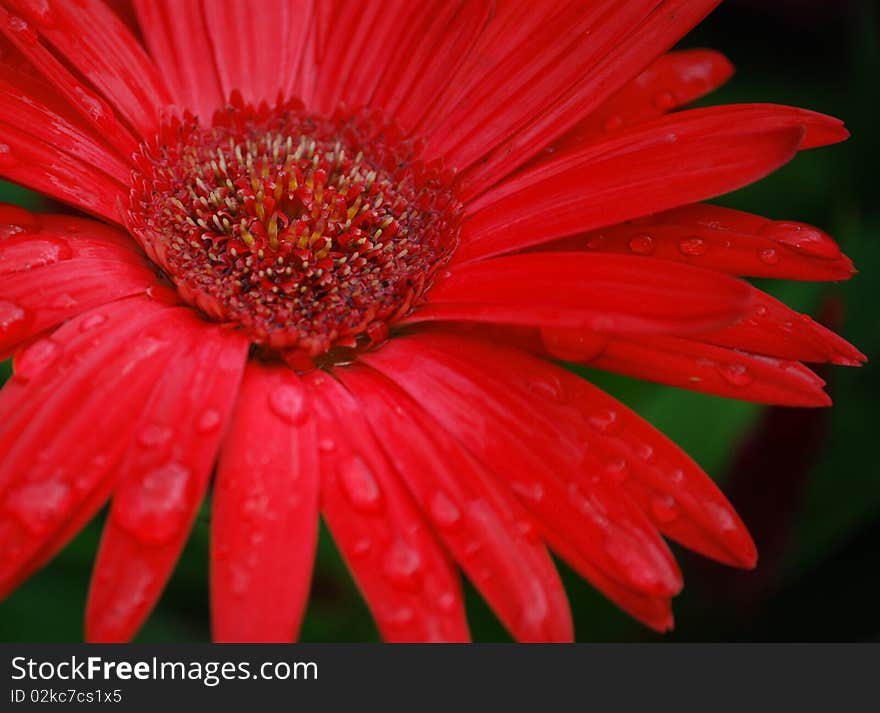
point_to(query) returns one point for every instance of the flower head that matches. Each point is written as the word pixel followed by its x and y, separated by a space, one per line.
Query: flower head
pixel 336 254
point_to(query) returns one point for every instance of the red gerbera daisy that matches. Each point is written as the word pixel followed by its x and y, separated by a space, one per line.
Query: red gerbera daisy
pixel 340 249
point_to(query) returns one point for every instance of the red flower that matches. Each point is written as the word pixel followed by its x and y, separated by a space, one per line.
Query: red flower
pixel 339 249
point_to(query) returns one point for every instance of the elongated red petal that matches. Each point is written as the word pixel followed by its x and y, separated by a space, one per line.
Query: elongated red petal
pixel 407 580
pixel 672 490
pixel 722 239
pixel 636 34
pixel 662 164
pixel 177 36
pixel 671 81
pixel 582 511
pixel 247 59
pixel 60 442
pixel 606 293
pixel 264 524
pixel 489 534
pixel 89 36
pixel 54 274
pixel 163 479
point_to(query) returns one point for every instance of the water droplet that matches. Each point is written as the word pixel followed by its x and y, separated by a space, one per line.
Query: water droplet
pixel 722 517
pixel 693 246
pixel 362 547
pixel 546 387
pixel 13 322
pixel 239 580
pixel 154 435
pixel 676 476
pixel 91 321
pixel 402 566
pixel 642 244
pixel 664 101
pixel 664 508
pixel 618 470
pixel 612 123
pixel 63 302
pixel 803 238
pixel 326 445
pixel 359 484
pixel 528 530
pixel 533 492
pixel 769 256
pixel 208 422
pixel 7 157
pixel 447 602
pixel 644 452
pixel 22 29
pixel 605 421
pixel 35 359
pixel 288 403
pixel 36 505
pixel 736 374
pixel 399 617
pixel 42 12
pixel 760 311
pixel 596 242
pixel 443 511
pixel 154 507
pixel 573 344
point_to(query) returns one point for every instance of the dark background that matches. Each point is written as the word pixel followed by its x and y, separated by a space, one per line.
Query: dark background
pixel 806 481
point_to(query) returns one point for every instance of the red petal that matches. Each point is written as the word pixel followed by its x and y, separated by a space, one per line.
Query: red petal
pixel 60 442
pixel 583 513
pixel 56 272
pixel 671 81
pixel 674 160
pixel 607 293
pixel 257 51
pixel 264 523
pixel 487 532
pixel 93 108
pixel 722 239
pixel 406 578
pixel 177 36
pixel 163 478
pixel 90 37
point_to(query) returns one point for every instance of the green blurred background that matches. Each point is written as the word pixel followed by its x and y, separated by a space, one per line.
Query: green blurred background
pixel 806 481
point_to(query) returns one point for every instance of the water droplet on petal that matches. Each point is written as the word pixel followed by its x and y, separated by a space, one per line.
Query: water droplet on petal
pixel 547 387
pixel 13 322
pixel 358 484
pixel 91 321
pixel 153 508
pixel 605 421
pixel 35 359
pixel 288 403
pixel 154 435
pixel 443 511
pixel 769 256
pixel 618 470
pixel 402 566
pixel 693 246
pixel 664 508
pixel 597 242
pixel 19 27
pixel 7 157
pixel 326 445
pixel 804 238
pixel 447 602
pixel 43 13
pixel 642 244
pixel 63 301
pixel 362 547
pixel 36 505
pixel 664 101
pixel 736 374
pixel 208 422
pixel 533 492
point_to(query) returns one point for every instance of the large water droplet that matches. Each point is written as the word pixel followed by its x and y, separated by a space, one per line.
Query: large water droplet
pixel 402 566
pixel 443 511
pixel 35 359
pixel 288 403
pixel 154 508
pixel 37 505
pixel 642 244
pixel 358 484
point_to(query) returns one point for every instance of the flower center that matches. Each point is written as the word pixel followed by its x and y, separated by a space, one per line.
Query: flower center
pixel 313 233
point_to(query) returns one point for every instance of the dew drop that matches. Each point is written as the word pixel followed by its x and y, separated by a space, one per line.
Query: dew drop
pixel 604 421
pixel 326 445
pixel 7 157
pixel 693 246
pixel 92 321
pixel 664 508
pixel 736 374
pixel 642 244
pixel 443 511
pixel 154 435
pixel 618 470
pixel 769 256
pixel 288 403
pixel 22 29
pixel 547 387
pixel 402 566
pixel 528 530
pixel 35 359
pixel 596 242
pixel 362 547
pixel 533 492
pixel 154 507
pixel 42 12
pixel 358 484
pixel 63 301
pixel 36 505
pixel 447 602
pixel 208 422
pixel 13 321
